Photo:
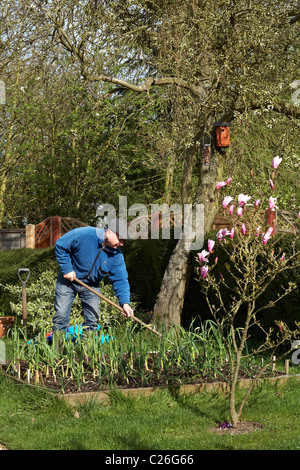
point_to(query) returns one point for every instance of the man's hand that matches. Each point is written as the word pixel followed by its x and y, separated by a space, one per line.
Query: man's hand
pixel 127 310
pixel 70 276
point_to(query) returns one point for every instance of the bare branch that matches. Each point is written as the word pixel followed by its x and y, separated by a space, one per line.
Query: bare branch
pixel 149 82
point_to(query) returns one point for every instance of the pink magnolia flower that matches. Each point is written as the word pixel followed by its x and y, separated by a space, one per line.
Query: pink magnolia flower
pixel 257 202
pixel 258 230
pixel 243 229
pixel 220 184
pixel 226 201
pixel 216 259
pixel 222 233
pixel 243 199
pixel 204 271
pixel 282 257
pixel 272 202
pixel 267 235
pixel 231 208
pixel 210 245
pixel 203 256
pixel 228 180
pixel 271 183
pixel 239 211
pixel 276 162
pixel 232 233
pixel 298 214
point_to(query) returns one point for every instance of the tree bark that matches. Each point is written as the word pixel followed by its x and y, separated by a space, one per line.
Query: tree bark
pixel 169 303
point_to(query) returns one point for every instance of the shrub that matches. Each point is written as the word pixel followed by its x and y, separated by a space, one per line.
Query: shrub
pixel 38 261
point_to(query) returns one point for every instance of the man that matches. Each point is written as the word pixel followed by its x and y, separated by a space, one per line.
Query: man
pixel 89 254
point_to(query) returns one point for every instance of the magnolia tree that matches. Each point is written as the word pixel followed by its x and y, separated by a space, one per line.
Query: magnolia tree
pixel 255 260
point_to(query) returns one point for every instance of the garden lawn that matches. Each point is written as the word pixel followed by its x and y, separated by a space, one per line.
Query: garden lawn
pixel 33 419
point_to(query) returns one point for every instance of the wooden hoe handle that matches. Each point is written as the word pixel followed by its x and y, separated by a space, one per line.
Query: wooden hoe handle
pixel 117 306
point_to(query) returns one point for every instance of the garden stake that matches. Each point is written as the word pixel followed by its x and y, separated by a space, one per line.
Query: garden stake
pixel 286 366
pixel 119 308
pixel 24 296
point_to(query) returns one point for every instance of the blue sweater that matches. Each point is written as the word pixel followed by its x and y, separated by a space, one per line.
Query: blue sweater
pixel 77 251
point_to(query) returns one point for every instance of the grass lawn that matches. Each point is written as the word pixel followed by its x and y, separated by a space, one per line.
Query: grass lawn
pixel 33 419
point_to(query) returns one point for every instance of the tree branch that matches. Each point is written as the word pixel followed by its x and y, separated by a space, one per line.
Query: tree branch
pixel 149 82
pixel 295 18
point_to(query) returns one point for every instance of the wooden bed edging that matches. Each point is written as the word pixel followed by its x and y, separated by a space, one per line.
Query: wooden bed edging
pixel 75 399
pixel 103 397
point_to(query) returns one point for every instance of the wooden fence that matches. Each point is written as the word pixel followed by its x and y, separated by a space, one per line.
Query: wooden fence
pixel 281 221
pixel 47 232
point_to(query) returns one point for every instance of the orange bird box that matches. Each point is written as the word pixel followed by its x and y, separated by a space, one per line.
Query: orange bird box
pixel 222 134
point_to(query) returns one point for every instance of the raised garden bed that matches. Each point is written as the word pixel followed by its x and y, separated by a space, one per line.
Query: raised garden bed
pixel 152 379
pixel 94 368
pixel 102 394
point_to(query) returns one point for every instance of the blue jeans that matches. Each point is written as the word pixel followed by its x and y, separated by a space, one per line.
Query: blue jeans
pixel 65 294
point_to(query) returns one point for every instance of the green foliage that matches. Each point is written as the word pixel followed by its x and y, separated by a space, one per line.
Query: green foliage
pixel 130 356
pixel 75 143
pixel 40 298
pixel 38 261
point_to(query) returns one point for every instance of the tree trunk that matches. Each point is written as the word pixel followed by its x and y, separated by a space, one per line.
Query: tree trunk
pixel 169 303
pixel 7 163
pixel 207 193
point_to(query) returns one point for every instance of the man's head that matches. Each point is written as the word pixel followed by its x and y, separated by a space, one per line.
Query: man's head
pixel 112 239
pixel 115 233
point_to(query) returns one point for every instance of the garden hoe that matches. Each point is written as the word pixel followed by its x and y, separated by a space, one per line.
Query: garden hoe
pixel 24 294
pixel 118 307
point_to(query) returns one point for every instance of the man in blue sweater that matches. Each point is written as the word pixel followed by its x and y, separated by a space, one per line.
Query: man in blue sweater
pixel 89 254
